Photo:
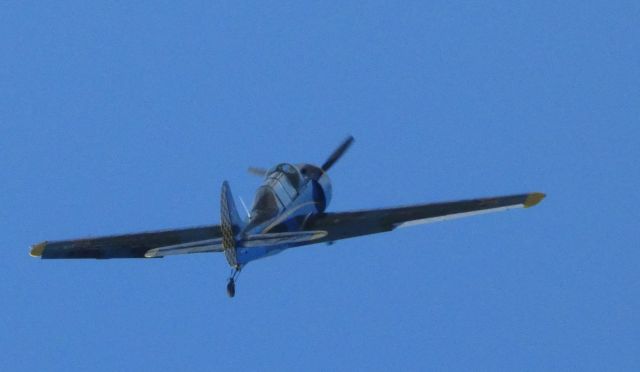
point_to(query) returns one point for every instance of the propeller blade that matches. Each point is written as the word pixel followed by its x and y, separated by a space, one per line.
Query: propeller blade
pixel 337 154
pixel 256 171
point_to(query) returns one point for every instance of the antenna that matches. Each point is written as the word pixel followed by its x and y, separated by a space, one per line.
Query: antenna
pixel 244 206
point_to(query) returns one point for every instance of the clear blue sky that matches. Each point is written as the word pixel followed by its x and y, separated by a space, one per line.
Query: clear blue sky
pixel 125 117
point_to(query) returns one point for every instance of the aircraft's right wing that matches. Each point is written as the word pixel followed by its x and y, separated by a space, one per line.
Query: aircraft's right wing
pixel 351 224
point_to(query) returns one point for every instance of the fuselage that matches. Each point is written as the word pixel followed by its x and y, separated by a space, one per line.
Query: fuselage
pixel 287 192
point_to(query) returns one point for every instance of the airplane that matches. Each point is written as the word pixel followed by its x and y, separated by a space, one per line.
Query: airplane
pixel 289 211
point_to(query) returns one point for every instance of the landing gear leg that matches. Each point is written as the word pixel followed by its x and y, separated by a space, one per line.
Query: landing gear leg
pixel 231 284
pixel 231 287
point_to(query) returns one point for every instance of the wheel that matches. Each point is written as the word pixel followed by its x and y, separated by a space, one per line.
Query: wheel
pixel 231 288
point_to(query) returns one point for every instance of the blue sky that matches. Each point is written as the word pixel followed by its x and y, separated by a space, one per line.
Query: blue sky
pixel 122 117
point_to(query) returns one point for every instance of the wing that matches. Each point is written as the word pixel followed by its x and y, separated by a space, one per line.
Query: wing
pixel 351 224
pixel 198 239
pixel 336 226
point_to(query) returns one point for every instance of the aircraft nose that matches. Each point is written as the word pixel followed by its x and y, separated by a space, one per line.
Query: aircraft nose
pixel 37 249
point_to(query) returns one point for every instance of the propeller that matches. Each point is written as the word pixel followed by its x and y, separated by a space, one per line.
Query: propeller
pixel 337 154
pixel 257 171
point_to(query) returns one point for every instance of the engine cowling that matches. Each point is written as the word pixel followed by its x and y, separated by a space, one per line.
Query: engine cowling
pixel 321 182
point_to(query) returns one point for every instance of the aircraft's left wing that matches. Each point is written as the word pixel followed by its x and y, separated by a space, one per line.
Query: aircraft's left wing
pixel 202 238
pixel 351 224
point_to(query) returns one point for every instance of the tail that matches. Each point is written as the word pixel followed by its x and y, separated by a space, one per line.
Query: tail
pixel 231 224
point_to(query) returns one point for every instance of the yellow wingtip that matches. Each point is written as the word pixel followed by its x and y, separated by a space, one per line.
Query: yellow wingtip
pixel 37 249
pixel 533 199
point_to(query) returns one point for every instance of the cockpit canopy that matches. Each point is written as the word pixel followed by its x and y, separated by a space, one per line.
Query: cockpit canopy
pixel 291 173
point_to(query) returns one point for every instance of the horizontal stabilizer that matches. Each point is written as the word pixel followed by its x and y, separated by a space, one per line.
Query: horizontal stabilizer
pixel 271 239
pixel 210 245
pixel 249 241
